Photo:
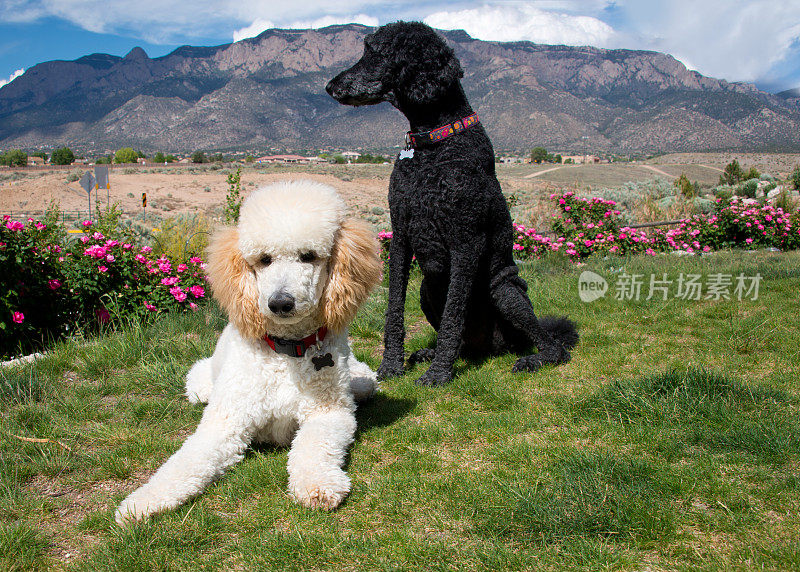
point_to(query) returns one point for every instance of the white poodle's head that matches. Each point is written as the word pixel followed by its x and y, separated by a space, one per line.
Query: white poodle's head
pixel 294 259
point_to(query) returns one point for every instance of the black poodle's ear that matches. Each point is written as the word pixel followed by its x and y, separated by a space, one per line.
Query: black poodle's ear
pixel 428 77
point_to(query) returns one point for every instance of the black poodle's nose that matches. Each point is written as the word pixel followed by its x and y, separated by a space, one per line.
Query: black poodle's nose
pixel 281 303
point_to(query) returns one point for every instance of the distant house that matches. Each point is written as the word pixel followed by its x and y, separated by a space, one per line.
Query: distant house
pixel 512 160
pixel 580 159
pixel 350 155
pixel 81 161
pixel 35 161
pixel 286 159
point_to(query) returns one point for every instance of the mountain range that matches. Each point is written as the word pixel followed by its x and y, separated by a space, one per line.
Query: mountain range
pixel 267 93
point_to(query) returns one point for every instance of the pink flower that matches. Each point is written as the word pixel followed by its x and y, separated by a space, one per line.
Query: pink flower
pixel 98 236
pixel 182 267
pixel 110 258
pixel 84 239
pixel 177 293
pixel 18 317
pixel 95 251
pixel 193 306
pixel 40 226
pixel 102 269
pixel 87 223
pixel 149 306
pixel 171 281
pixel 14 225
pixel 127 246
pixel 140 258
pixel 146 250
pixel 54 284
pixel 196 291
pixel 518 247
pixel 196 260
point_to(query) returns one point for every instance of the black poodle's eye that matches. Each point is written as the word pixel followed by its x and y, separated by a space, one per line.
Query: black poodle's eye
pixel 309 256
pixel 266 260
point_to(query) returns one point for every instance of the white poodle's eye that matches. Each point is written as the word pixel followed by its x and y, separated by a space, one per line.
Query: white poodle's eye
pixel 309 256
pixel 266 260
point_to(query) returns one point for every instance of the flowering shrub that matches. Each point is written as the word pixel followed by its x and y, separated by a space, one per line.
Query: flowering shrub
pixel 49 284
pixel 584 227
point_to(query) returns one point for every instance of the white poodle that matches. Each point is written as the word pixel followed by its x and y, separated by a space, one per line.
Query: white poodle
pixel 291 277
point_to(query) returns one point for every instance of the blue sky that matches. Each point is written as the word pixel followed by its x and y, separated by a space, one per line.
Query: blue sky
pixel 739 40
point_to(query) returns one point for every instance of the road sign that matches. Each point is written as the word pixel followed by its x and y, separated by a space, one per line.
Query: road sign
pixel 87 182
pixel 144 199
pixel 101 174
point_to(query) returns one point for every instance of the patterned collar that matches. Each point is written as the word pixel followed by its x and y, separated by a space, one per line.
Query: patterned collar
pixel 414 140
pixel 295 348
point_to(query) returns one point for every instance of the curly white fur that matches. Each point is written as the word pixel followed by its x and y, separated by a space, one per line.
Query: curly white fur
pixel 255 394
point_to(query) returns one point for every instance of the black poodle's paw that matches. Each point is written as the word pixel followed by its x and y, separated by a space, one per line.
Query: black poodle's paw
pixel 435 378
pixel 421 356
pixel 528 363
pixel 390 369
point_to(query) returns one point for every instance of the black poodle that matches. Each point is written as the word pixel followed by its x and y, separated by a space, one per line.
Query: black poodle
pixel 447 209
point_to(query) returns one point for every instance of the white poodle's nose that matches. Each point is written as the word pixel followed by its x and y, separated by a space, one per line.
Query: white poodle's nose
pixel 281 303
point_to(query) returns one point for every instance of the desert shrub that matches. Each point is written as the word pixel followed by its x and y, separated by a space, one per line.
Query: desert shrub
pixel 183 236
pixel 686 187
pixel 795 178
pixel 233 198
pixel 747 189
pixel 50 286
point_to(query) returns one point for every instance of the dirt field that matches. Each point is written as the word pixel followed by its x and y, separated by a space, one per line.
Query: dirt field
pixel 202 189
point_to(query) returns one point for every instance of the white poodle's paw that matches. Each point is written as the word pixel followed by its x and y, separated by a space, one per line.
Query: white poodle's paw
pixel 363 381
pixel 326 494
pixel 199 382
pixel 139 506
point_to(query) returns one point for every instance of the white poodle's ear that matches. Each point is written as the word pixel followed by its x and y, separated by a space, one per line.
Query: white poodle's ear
pixel 234 284
pixel 355 269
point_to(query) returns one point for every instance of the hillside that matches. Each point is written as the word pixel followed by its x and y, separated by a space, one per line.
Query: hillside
pixel 268 92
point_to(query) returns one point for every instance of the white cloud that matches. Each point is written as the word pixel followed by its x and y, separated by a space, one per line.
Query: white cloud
pixel 260 25
pixel 252 30
pixel 12 77
pixel 333 20
pixel 524 21
pixel 733 39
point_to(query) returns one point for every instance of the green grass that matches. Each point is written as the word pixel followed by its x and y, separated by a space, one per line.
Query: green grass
pixel 670 441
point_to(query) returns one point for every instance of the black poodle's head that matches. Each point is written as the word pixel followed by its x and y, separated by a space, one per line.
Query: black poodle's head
pixel 405 63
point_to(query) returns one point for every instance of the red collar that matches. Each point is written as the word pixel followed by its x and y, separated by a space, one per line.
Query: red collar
pixel 295 348
pixel 427 137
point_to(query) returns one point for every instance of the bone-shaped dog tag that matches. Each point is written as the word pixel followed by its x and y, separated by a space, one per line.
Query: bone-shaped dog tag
pixel 322 361
pixel 406 154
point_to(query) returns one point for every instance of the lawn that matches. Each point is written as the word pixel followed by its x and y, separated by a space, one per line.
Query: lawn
pixel 670 441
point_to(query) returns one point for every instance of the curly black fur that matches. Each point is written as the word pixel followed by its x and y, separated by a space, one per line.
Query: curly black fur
pixel 447 209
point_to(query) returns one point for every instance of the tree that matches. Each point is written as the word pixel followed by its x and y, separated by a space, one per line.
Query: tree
pixel 16 158
pixel 199 157
pixel 538 155
pixel 216 158
pixel 41 154
pixel 126 155
pixel 732 174
pixel 170 158
pixel 62 156
pixel 107 160
pixel 159 157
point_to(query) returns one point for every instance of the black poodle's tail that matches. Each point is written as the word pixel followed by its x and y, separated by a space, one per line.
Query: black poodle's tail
pixel 562 329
